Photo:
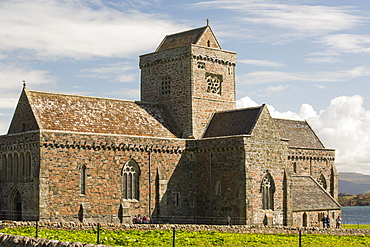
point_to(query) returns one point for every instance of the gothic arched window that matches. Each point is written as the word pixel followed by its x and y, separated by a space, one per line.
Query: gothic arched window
pixel 267 191
pixel 130 181
pixel 322 181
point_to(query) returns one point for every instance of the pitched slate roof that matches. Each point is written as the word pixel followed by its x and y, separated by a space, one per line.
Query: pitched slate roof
pixel 183 38
pixel 307 194
pixel 299 133
pixel 74 113
pixel 236 122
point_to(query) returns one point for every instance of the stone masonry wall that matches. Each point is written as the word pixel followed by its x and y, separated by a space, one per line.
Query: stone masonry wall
pixel 315 162
pixel 266 154
pixel 27 187
pixel 184 71
pixel 104 157
pixel 209 62
pixel 166 77
pixel 220 184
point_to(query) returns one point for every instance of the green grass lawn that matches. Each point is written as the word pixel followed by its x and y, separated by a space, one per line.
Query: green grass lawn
pixel 185 238
pixel 355 226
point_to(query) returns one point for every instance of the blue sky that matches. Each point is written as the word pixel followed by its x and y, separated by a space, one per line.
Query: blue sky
pixel 305 59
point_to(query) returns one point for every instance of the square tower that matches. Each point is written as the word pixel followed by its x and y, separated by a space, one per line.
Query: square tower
pixel 192 75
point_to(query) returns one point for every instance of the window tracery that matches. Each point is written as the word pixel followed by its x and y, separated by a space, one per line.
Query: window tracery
pixel 213 83
pixel 130 181
pixel 267 191
pixel 322 181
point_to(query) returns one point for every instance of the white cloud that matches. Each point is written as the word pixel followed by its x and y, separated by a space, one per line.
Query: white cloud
pixel 126 93
pixel 246 102
pixel 261 77
pixel 11 74
pixel 320 86
pixel 265 63
pixel 4 125
pixel 276 89
pixel 302 19
pixel 348 43
pixel 121 72
pixel 76 29
pixel 8 103
pixel 343 126
pixel 322 60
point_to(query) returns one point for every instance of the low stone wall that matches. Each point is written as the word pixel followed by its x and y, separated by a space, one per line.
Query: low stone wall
pixel 10 241
pixel 18 241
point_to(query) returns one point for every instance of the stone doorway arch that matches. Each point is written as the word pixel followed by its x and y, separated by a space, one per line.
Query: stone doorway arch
pixel 304 220
pixel 16 206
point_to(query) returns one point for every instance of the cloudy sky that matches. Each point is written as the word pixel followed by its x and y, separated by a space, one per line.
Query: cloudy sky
pixel 307 59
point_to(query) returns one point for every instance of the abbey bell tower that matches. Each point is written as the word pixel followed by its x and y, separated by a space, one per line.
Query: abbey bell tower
pixel 192 75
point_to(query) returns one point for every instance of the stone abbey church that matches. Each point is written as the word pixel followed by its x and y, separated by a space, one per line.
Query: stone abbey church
pixel 183 154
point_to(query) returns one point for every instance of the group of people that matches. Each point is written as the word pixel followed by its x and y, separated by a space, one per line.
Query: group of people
pixel 139 220
pixel 326 222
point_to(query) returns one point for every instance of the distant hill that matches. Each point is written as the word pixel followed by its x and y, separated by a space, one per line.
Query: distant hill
pixel 353 183
pixel 345 199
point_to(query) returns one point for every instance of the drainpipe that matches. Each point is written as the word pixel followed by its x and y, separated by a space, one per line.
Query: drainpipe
pixel 150 183
pixel 210 181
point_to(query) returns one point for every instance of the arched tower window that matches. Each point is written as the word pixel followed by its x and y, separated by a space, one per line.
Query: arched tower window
pixel 322 181
pixel 267 191
pixel 130 181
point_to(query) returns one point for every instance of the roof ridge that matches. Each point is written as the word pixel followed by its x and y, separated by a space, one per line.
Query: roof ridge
pixel 187 31
pixel 286 119
pixel 240 109
pixel 87 96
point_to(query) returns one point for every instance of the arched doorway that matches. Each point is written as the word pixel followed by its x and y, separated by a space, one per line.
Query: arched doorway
pixel 16 213
pixel 304 220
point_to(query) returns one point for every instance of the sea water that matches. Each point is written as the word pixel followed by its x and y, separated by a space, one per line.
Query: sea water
pixel 356 215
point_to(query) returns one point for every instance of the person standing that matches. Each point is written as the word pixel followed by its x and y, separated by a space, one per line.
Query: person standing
pixel 338 222
pixel 324 222
pixel 327 221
